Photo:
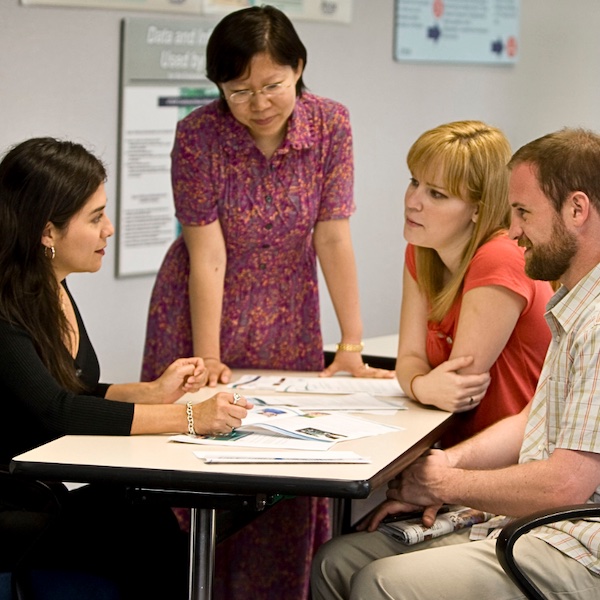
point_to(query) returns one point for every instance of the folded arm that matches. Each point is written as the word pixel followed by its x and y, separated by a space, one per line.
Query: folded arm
pixel 487 319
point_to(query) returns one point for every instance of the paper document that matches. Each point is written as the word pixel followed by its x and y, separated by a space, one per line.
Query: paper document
pixel 261 413
pixel 320 426
pixel 348 402
pixel 281 457
pixel 319 385
pixel 248 439
pixel 284 427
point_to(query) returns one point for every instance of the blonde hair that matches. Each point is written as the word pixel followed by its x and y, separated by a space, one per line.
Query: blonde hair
pixel 472 158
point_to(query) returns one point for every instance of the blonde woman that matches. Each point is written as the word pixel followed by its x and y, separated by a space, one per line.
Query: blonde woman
pixel 472 333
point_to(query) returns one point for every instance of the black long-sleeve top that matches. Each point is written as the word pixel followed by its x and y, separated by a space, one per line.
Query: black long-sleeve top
pixel 37 409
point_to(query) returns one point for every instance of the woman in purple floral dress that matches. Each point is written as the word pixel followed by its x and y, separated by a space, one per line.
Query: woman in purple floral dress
pixel 263 185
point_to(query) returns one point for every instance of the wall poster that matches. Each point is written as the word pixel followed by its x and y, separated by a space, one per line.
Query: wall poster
pixel 475 31
pixel 319 10
pixel 174 6
pixel 162 81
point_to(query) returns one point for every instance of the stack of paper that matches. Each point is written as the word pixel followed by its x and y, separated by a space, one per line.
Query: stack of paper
pixel 287 427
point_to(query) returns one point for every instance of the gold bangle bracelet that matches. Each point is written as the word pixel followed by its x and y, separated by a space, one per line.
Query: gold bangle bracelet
pixel 341 347
pixel 189 411
pixel 411 385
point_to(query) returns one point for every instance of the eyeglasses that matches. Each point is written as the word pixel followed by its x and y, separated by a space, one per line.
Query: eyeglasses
pixel 271 89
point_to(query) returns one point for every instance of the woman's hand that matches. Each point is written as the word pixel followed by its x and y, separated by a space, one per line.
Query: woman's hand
pixel 220 414
pixel 446 388
pixel 218 372
pixel 351 362
pixel 181 377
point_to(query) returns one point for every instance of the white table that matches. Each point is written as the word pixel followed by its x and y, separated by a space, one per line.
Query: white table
pixel 157 465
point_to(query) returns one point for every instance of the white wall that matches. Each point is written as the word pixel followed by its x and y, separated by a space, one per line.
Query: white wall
pixel 59 70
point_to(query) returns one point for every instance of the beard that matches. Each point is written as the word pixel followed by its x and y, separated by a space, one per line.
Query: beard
pixel 548 262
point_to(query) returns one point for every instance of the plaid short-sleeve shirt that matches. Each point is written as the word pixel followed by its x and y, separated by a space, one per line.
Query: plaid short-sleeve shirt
pixel 565 411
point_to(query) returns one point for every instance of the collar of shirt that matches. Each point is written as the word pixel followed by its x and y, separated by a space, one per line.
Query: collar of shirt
pixel 564 308
pixel 299 134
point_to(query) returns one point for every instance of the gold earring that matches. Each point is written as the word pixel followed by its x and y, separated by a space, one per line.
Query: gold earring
pixel 52 252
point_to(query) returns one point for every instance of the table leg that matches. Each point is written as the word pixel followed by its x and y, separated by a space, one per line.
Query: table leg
pixel 202 553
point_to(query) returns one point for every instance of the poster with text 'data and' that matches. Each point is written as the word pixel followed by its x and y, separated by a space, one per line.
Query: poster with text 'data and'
pixel 469 31
pixel 162 80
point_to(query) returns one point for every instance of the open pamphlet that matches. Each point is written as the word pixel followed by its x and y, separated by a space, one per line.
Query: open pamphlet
pixel 319 385
pixel 280 457
pixel 450 518
pixel 288 427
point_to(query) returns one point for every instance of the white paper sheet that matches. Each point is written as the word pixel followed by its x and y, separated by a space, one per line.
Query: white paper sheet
pixel 281 457
pixel 247 439
pixel 328 402
pixel 319 385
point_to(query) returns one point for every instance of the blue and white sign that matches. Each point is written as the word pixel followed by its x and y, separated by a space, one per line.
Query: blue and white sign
pixel 475 31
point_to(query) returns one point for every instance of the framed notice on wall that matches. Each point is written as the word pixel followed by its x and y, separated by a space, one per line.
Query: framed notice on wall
pixel 316 10
pixel 174 6
pixel 474 31
pixel 162 81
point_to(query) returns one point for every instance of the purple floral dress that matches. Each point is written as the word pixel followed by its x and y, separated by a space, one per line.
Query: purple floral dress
pixel 267 209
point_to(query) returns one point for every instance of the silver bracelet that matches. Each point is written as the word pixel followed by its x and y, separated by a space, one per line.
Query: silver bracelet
pixel 190 418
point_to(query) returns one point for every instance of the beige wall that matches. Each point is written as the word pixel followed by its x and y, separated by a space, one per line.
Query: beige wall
pixel 59 71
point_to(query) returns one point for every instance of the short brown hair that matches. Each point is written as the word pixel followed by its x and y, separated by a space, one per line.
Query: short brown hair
pixel 565 161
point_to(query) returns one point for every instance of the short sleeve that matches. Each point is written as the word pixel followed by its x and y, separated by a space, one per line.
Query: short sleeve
pixel 410 260
pixel 579 423
pixel 500 262
pixel 193 175
pixel 337 199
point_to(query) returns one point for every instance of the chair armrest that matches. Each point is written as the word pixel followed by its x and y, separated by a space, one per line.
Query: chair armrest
pixel 29 494
pixel 27 507
pixel 514 530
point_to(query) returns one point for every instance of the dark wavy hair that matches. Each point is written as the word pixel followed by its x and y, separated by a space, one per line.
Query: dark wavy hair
pixel 242 34
pixel 42 180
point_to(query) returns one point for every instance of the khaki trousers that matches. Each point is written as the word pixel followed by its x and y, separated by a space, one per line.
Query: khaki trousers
pixel 373 566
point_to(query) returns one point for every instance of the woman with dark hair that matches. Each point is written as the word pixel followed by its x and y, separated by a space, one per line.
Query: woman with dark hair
pixel 263 186
pixel 53 223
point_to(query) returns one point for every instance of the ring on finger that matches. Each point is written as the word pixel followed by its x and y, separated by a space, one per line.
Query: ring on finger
pixel 236 397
